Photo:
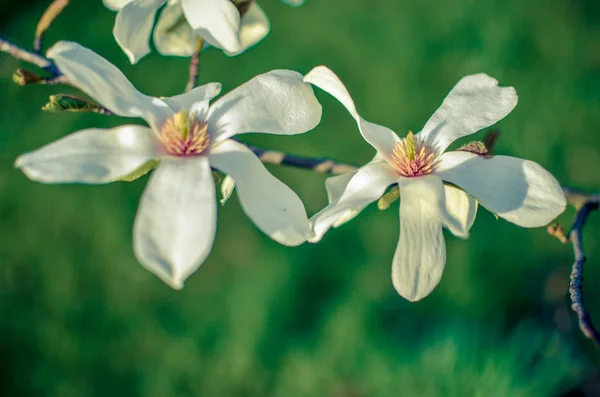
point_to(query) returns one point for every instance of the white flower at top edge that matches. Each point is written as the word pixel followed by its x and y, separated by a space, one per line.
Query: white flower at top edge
pixel 517 190
pixel 220 23
pixel 176 219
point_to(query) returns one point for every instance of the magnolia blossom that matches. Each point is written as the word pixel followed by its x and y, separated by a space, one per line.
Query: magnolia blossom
pixel 176 220
pixel 517 190
pixel 230 25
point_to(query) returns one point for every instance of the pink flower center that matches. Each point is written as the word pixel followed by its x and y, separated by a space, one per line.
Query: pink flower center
pixel 411 158
pixel 183 135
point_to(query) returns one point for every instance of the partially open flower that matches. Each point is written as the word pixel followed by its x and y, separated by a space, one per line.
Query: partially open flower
pixel 519 191
pixel 176 220
pixel 230 25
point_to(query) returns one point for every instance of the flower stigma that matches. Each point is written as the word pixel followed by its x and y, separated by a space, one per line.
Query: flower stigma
pixel 183 135
pixel 411 158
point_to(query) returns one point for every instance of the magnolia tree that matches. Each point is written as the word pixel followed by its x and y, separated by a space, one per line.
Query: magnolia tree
pixel 190 146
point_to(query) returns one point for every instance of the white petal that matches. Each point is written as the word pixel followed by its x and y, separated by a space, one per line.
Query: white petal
pixel 115 5
pixel 277 102
pixel 255 26
pixel 105 83
pixel 216 21
pixel 272 206
pixel 176 222
pixel 173 35
pixel 90 156
pixel 293 3
pixel 199 94
pixel 421 252
pixel 227 187
pixel 133 27
pixel 517 190
pixel 381 138
pixel 462 207
pixel 476 102
pixel 336 185
pixel 366 185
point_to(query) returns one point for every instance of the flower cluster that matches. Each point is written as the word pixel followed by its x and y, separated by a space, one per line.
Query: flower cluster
pixel 188 136
pixel 230 25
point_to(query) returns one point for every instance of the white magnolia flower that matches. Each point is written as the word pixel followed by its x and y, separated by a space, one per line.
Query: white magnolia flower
pixel 220 23
pixel 176 220
pixel 519 191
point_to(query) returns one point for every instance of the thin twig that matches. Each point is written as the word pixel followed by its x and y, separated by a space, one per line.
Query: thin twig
pixel 320 165
pixel 194 66
pixel 47 19
pixel 27 56
pixel 576 239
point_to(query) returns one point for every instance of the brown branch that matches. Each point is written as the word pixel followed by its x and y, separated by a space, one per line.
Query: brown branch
pixel 46 21
pixel 584 205
pixel 194 66
pixel 27 56
pixel 320 165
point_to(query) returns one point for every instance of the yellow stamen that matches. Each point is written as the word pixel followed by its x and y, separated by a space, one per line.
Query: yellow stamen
pixel 182 123
pixel 412 158
pixel 411 146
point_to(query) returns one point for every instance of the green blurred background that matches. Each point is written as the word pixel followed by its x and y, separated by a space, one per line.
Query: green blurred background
pixel 80 317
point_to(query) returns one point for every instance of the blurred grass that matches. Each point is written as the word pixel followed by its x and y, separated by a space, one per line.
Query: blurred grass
pixel 79 317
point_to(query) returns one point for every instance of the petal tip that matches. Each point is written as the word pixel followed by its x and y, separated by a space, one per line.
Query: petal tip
pixel 412 295
pixel 321 69
pixel 175 283
pixel 19 162
pixel 59 47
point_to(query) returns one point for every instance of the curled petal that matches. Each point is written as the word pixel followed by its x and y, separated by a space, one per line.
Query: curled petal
pixel 272 206
pixel 105 83
pixel 365 186
pixel 90 156
pixel 115 5
pixel 133 27
pixel 186 101
pixel 476 102
pixel 336 185
pixel 227 187
pixel 277 102
pixel 255 26
pixel 176 221
pixel 173 35
pixel 517 190
pixel 420 256
pixel 216 21
pixel 381 138
pixel 462 207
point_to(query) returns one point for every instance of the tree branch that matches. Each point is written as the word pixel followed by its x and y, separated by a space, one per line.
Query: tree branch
pixel 24 55
pixel 194 66
pixel 48 18
pixel 584 205
pixel 320 165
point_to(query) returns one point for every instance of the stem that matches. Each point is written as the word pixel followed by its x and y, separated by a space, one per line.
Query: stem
pixel 24 55
pixel 321 165
pixel 576 284
pixel 194 66
pixel 46 21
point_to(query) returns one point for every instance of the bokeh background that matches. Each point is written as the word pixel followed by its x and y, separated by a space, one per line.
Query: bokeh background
pixel 80 317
